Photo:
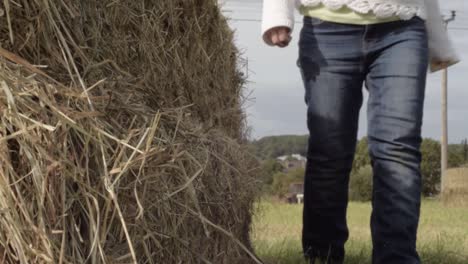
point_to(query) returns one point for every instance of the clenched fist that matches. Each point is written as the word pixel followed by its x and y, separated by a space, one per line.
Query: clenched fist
pixel 278 36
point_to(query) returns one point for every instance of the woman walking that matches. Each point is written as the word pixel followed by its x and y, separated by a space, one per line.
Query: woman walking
pixel 387 45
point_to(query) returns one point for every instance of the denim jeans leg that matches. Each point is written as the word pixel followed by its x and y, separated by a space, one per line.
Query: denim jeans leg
pixel 396 84
pixel 330 62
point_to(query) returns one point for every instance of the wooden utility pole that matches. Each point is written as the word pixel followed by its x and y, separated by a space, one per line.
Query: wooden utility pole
pixel 444 143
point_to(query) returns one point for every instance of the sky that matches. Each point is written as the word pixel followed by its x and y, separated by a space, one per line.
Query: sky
pixel 276 105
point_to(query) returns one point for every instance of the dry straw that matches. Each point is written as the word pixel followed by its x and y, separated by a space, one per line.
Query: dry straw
pixel 121 135
pixel 456 187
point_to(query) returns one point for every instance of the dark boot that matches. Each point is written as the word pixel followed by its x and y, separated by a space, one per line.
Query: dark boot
pixel 312 261
pixel 324 261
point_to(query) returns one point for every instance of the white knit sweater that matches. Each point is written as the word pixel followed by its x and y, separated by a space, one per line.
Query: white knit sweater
pixel 281 13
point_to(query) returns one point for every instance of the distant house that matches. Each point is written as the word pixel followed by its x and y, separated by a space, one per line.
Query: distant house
pixel 292 162
pixel 293 156
pixel 296 193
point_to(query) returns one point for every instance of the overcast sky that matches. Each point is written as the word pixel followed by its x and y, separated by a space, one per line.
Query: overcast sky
pixel 276 91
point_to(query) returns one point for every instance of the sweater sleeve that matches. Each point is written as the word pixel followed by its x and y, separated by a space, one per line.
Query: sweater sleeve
pixel 441 48
pixel 277 13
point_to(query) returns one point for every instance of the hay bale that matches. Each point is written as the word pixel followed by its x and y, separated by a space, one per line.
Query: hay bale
pixel 455 190
pixel 126 144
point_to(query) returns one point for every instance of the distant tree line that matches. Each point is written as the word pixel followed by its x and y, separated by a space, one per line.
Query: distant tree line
pixel 276 146
pixel 277 181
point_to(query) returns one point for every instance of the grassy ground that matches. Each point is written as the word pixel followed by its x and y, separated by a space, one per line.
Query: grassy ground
pixel 443 233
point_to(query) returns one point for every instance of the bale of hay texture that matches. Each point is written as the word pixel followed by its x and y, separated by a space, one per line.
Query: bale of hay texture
pixel 455 189
pixel 121 135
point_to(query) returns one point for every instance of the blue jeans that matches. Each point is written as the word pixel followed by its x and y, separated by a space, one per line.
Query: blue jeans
pixel 391 59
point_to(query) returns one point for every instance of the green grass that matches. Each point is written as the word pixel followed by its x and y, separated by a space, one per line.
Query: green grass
pixel 443 233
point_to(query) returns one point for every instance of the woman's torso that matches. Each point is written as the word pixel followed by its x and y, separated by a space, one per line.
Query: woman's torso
pixel 362 11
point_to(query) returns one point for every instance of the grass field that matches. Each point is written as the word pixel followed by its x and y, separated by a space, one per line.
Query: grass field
pixel 443 233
